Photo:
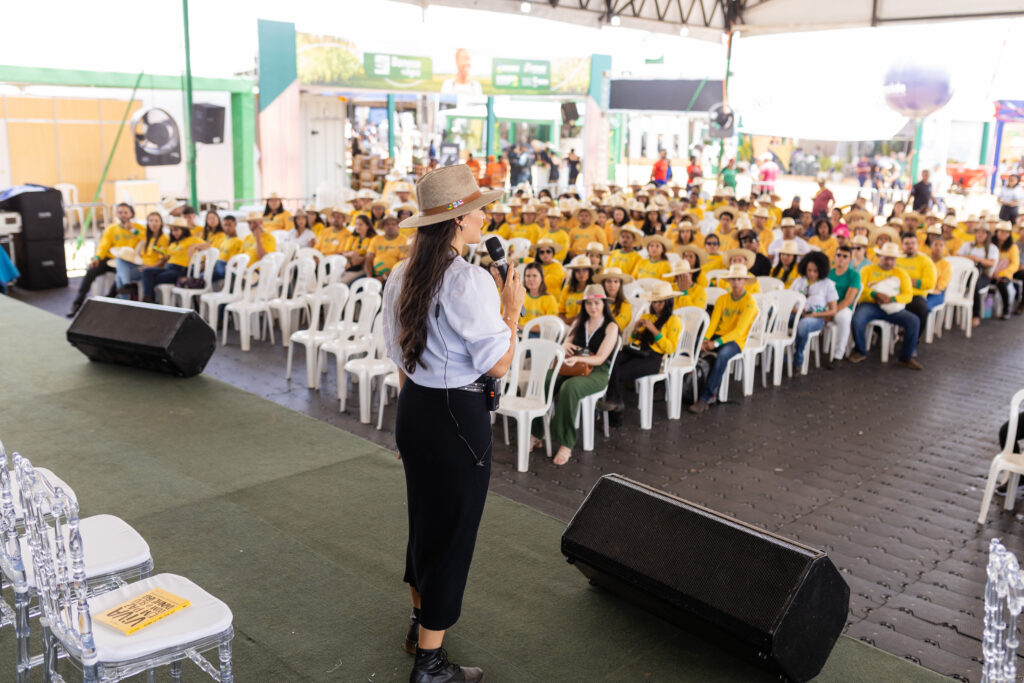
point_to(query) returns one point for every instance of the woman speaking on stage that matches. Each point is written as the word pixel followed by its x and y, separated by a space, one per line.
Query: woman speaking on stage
pixel 448 330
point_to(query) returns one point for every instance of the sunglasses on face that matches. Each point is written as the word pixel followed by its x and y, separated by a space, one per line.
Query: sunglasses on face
pixel 711 244
pixel 541 252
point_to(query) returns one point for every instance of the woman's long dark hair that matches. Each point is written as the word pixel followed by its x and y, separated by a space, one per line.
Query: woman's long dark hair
pixel 207 231
pixel 305 219
pixel 782 272
pixel 184 233
pixel 370 231
pixel 267 211
pixel 574 284
pixel 150 235
pixel 579 337
pixel 645 337
pixel 1005 244
pixel 625 217
pixel 534 265
pixel 429 260
pixel 620 298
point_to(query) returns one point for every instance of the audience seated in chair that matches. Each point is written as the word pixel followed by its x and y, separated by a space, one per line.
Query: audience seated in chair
pixel 887 291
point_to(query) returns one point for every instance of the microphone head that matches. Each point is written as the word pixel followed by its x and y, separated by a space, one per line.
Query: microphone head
pixel 494 248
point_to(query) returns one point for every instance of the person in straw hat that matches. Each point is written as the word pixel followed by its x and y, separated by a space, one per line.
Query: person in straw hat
pixel 747 258
pixel 125 233
pixel 1007 266
pixel 148 252
pixel 582 274
pixel 950 237
pixel 403 196
pixel 357 247
pixel 335 236
pixel 731 320
pixel 301 233
pixel 180 247
pixel 626 257
pixel 554 273
pixel 557 234
pixel 823 239
pixel 655 335
pixel 788 228
pixel 585 231
pixel 612 278
pixel 691 292
pixel 785 269
pixel 821 304
pixel 887 291
pixel 277 217
pixel 589 344
pixel 985 255
pixel 385 250
pixel 656 264
pixel 859 248
pixel 498 225
pixel 444 330
pixel 935 247
pixel 596 253
pixel 527 228
pixel 515 206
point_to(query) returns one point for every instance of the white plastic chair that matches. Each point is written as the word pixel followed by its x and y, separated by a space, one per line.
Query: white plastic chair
pixel 1005 461
pixel 674 367
pixel 354 339
pixel 367 369
pixel 886 335
pixel 60 552
pixel 716 275
pixel 234 279
pixel 286 248
pixel 259 288
pixel 201 265
pixel 297 282
pixel 782 336
pixel 390 382
pixel 770 284
pixel 518 248
pixel 319 331
pixel 827 337
pixel 933 326
pixel 550 327
pixel 329 270
pixel 712 295
pixel 532 400
pixel 588 405
pixel 960 293
pixel 69 193
pixel 308 252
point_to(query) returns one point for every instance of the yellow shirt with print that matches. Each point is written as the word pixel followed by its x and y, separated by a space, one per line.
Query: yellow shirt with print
pixel 332 241
pixel 359 244
pixel 118 236
pixel 668 338
pixel 536 306
pixel 953 245
pixel 177 252
pixel 625 261
pixel 696 296
pixel 561 239
pixel 155 251
pixel 873 274
pixel 230 247
pixel 554 275
pixel 501 231
pixel 530 231
pixel 249 246
pixel 281 221
pixel 653 269
pixel 624 316
pixel 386 253
pixel 732 319
pixel 1012 258
pixel 569 303
pixel 921 270
pixel 579 238
pixel 828 247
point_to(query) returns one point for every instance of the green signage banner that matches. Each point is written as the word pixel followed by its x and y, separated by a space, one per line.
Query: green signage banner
pixel 521 74
pixel 397 67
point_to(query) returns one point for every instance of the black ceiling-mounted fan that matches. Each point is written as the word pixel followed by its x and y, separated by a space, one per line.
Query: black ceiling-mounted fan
pixel 157 139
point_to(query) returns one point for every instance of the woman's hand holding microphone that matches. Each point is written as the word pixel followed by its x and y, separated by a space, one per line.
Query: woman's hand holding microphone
pixel 513 294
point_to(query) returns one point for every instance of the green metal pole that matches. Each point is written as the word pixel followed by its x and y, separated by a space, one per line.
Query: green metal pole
pixel 190 143
pixel 391 126
pixel 985 130
pixel 490 138
pixel 916 160
pixel 106 166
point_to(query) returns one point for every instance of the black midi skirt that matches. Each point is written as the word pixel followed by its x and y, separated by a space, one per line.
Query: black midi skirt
pixel 445 441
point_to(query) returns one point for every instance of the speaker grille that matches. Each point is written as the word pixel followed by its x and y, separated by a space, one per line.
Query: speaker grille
pixel 686 554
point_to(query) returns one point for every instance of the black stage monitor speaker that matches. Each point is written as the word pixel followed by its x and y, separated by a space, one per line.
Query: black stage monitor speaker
pixel 208 123
pixel 769 599
pixel 569 112
pixel 172 340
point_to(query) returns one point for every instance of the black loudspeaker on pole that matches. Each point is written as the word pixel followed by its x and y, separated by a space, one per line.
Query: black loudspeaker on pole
pixel 771 600
pixel 172 340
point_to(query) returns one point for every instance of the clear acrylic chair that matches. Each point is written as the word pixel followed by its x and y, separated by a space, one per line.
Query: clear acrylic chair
pixel 117 554
pixel 533 399
pixel 60 552
pixel 1004 601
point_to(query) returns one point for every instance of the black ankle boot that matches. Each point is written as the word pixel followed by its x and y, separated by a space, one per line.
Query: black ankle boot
pixel 432 666
pixel 412 638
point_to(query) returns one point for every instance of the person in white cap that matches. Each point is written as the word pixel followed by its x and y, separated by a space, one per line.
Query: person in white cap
pixel 887 291
pixel 789 230
pixel 403 195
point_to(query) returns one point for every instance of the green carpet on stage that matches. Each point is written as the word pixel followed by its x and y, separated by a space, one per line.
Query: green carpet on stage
pixel 300 528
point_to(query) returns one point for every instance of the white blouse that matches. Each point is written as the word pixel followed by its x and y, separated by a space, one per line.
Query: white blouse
pixel 972 249
pixel 306 239
pixel 819 295
pixel 465 333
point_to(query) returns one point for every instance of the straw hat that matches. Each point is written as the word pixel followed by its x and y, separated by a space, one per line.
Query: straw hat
pixel 600 188
pixel 545 242
pixel 1004 225
pixel 884 230
pixel 596 248
pixel 913 214
pixel 127 254
pixel 448 192
pixel 743 222
pixel 568 205
pixel 660 291
pixel 630 228
pixel 761 212
pixel 529 207
pixel 554 213
pixel 895 220
pixel 660 239
pixel 745 253
pixel 402 186
pixel 702 256
pixel 343 209
pixel 789 247
pixel 765 199
pixel 973 218
pixel 366 193
pixel 583 207
pixel 311 208
pixel 867 225
pixel 681 267
pixel 856 215
pixel 383 203
pixel 787 222
pixel 594 292
pixel 273 195
pixel 731 210
pixel 951 221
pixel 183 224
pixel 983 225
pixel 613 273
pixel 738 271
pixel 498 207
pixel 889 249
pixel 580 261
pixel 934 229
pixel 859 241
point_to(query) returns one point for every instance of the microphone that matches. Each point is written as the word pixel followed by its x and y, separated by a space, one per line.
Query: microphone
pixel 497 254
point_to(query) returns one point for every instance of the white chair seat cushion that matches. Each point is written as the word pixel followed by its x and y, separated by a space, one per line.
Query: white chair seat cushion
pixel 372 366
pixel 205 617
pixel 55 481
pixel 516 404
pixel 110 545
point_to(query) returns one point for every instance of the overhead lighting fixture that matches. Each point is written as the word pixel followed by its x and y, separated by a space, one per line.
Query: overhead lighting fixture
pixel 683 32
pixel 525 8
pixel 615 20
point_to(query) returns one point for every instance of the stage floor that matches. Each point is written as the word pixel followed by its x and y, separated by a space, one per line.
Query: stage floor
pixel 300 528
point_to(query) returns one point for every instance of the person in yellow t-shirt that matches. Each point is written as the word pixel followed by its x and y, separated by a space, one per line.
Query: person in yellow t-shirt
pixel 619 219
pixel 683 233
pixel 733 316
pixel 557 234
pixel 691 293
pixel 527 228
pixel 887 291
pixel 1007 265
pixel 211 226
pixel 259 242
pixel 378 210
pixel 612 279
pixel 656 264
pixel 515 207
pixel 124 233
pixel 726 229
pixel 586 232
pixel 596 253
pixel 497 225
pixel 384 250
pixel 655 336
pixel 922 274
pixel 713 255
pixel 943 270
pixel 746 258
pixel 174 265
pixel 554 273
pixel 228 247
pixel 786 269
pixel 626 257
pixel 335 237
pixel 356 248
pixel 696 257
pixel 949 236
pixel 823 238
pixel 582 274
pixel 537 302
pixel 275 215
pixel 149 252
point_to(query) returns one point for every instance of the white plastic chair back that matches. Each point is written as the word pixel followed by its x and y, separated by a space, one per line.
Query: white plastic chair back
pixel 550 327
pixel 695 323
pixel 962 282
pixel 287 248
pixel 330 269
pixel 633 292
pixel 787 304
pixel 337 296
pixel 518 248
pixel 367 284
pixel 370 303
pixel 762 323
pixel 544 355
pixel 234 273
pixel 717 274
pixel 713 293
pixel 308 252
pixel 770 284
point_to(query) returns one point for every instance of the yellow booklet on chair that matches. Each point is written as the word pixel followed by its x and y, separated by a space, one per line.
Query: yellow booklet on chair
pixel 142 610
